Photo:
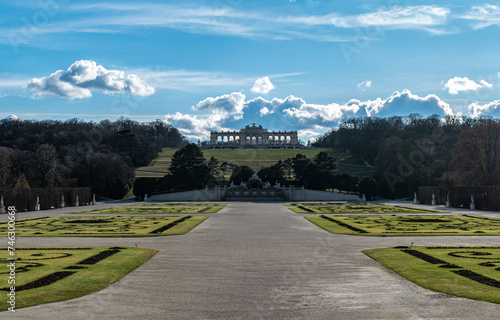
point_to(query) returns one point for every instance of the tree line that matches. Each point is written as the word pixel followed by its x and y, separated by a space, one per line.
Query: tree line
pixel 74 153
pixel 414 151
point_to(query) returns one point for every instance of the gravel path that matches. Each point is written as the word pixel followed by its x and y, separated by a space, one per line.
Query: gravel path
pixel 260 261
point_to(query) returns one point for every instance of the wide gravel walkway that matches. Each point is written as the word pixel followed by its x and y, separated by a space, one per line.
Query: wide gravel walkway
pixel 260 261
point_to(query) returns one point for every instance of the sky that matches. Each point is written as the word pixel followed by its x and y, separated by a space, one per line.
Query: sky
pixel 221 65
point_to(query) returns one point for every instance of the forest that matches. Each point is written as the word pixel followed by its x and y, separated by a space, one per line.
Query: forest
pixel 407 152
pixel 414 151
pixel 74 153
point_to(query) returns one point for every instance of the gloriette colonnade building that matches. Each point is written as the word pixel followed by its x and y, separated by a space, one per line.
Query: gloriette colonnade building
pixel 254 137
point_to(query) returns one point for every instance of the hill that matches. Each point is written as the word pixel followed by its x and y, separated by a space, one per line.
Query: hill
pixel 256 159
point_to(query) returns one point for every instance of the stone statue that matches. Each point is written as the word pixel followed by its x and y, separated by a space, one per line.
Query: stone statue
pixel 2 206
pixel 93 200
pixel 448 200
pixel 433 200
pixel 363 198
pixel 77 203
pixel 255 177
pixel 232 185
pixel 267 185
pixel 243 185
pixel 62 202
pixel 277 185
pixel 415 198
pixel 472 205
pixel 146 199
pixel 37 205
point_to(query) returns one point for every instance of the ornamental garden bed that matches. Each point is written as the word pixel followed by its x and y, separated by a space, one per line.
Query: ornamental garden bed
pixel 470 272
pixel 353 208
pixel 399 225
pixel 56 274
pixel 112 226
pixel 174 209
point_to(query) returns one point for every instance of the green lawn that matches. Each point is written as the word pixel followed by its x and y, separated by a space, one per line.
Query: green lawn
pixel 344 208
pixel 111 226
pixel 408 225
pixel 438 275
pixel 155 209
pixel 256 159
pixel 44 264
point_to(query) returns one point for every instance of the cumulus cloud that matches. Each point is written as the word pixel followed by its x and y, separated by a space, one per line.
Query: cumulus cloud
pixel 308 135
pixel 262 85
pixel 228 106
pixel 216 111
pixel 318 113
pixel 457 84
pixel 293 113
pixel 192 126
pixel 263 111
pixel 404 99
pixel 296 112
pixel 365 84
pixel 476 110
pixel 82 76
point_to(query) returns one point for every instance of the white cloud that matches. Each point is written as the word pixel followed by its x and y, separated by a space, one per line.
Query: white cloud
pixel 457 84
pixel 365 84
pixel 84 75
pixel 296 113
pixel 262 85
pixel 225 107
pixel 402 99
pixel 217 111
pixel 293 113
pixel 193 126
pixel 263 111
pixel 319 114
pixel 484 16
pixel 476 110
pixel 113 18
pixel 308 135
pixel 411 17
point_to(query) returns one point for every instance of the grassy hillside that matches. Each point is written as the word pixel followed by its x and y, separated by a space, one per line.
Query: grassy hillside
pixel 256 159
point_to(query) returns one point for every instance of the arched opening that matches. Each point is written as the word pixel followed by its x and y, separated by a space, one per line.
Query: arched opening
pixel 248 140
pixel 237 140
pixel 219 140
pixel 254 140
pixel 282 139
pixel 259 140
pixel 270 140
pixel 231 140
pixel 224 140
pixel 288 140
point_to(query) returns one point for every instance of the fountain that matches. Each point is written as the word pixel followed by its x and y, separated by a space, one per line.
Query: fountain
pixel 254 190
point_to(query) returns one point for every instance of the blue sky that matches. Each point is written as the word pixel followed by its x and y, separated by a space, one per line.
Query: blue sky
pixel 216 65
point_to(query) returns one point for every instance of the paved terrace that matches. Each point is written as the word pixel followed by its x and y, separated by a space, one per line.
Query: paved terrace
pixel 258 261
